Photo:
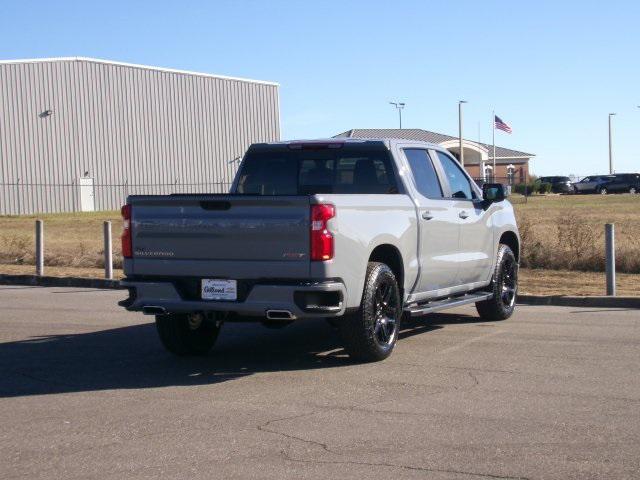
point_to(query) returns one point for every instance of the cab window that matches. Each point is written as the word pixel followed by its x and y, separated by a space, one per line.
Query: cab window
pixel 424 175
pixel 458 182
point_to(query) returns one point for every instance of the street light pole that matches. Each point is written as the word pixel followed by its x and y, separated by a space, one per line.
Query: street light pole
pixel 460 102
pixel 610 147
pixel 399 106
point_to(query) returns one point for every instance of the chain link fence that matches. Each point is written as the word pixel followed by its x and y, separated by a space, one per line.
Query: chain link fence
pixel 19 198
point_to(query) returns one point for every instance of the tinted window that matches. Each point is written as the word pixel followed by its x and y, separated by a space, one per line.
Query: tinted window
pixel 460 186
pixel 302 172
pixel 627 177
pixel 269 175
pixel 424 174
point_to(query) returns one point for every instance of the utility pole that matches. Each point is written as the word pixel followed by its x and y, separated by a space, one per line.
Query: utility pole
pixel 610 147
pixel 460 102
pixel 399 106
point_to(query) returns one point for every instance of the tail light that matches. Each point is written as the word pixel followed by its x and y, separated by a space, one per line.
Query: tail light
pixel 127 249
pixel 321 238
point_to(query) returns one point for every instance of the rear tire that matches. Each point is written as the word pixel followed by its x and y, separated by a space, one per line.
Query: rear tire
pixel 370 334
pixel 603 191
pixel 187 334
pixel 633 190
pixel 504 287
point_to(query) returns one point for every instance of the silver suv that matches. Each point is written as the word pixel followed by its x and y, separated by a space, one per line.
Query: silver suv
pixel 360 232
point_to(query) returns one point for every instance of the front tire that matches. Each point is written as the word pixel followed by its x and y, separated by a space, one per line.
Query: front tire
pixel 603 191
pixel 504 287
pixel 370 334
pixel 633 190
pixel 187 334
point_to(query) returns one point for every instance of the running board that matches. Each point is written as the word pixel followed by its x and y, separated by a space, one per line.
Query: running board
pixel 436 305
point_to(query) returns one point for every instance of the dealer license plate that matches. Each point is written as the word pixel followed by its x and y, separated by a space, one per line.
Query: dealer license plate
pixel 217 289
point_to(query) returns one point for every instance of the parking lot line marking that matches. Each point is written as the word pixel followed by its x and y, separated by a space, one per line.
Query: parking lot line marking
pixel 471 340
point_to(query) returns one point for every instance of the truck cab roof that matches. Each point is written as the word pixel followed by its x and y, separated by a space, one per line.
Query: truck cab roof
pixel 319 143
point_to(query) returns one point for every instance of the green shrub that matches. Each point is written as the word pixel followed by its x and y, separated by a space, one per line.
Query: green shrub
pixel 525 188
pixel 544 188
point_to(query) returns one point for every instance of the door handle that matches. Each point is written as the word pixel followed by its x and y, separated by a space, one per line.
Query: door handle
pixel 427 215
pixel 463 214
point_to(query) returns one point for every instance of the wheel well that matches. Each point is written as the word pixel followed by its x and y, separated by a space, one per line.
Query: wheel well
pixel 511 240
pixel 389 255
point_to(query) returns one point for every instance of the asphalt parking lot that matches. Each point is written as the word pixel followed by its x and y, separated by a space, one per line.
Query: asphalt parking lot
pixel 86 391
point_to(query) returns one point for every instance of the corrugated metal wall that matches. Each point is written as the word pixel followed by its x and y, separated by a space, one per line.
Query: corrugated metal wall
pixel 134 130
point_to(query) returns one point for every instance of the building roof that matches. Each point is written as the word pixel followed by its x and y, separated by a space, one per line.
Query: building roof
pixel 132 65
pixel 426 136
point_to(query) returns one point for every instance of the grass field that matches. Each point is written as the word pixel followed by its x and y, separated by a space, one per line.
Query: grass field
pixel 567 232
pixel 563 233
pixel 73 240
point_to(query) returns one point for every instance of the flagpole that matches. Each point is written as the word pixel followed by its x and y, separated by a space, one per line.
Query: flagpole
pixel 493 122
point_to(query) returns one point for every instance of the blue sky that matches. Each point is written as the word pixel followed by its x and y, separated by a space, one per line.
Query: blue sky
pixel 553 70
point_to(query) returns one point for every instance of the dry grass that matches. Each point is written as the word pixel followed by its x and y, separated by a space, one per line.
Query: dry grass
pixel 567 232
pixel 79 272
pixel 564 282
pixel 558 233
pixel 71 240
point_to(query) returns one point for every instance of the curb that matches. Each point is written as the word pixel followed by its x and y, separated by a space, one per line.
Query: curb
pixel 572 301
pixel 554 300
pixel 34 280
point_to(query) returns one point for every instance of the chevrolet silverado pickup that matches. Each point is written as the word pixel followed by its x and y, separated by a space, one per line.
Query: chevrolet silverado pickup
pixel 359 232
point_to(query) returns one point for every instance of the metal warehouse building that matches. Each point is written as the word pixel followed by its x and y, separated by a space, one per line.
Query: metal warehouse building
pixel 79 134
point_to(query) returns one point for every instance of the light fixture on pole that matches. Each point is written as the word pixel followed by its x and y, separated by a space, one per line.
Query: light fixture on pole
pixel 460 102
pixel 610 147
pixel 399 106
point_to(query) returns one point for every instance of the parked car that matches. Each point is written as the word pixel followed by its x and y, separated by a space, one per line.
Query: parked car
pixel 624 182
pixel 593 184
pixel 357 232
pixel 558 184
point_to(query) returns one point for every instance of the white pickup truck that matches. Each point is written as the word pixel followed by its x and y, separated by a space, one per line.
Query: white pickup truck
pixel 360 232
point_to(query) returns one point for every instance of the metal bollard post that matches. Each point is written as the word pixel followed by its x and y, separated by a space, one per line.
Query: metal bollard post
pixel 610 252
pixel 39 248
pixel 108 251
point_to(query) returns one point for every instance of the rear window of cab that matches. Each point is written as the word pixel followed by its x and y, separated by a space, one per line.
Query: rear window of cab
pixel 308 172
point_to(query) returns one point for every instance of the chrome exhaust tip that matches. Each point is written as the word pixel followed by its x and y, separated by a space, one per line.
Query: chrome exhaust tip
pixel 280 315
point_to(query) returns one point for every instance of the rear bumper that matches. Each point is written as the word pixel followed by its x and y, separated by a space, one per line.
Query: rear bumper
pixel 303 300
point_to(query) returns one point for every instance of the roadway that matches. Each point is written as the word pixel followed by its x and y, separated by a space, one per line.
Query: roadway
pixel 86 391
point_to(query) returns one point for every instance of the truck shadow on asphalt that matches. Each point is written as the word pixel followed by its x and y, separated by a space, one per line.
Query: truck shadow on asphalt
pixel 131 357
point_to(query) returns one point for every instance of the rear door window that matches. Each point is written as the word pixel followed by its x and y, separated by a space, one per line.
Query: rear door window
pixel 424 174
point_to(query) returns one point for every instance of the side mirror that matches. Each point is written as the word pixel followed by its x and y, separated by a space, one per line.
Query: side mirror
pixel 493 192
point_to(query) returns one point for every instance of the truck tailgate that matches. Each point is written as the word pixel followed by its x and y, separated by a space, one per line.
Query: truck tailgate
pixel 234 236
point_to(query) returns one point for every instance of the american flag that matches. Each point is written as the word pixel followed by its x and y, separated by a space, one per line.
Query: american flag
pixel 500 125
